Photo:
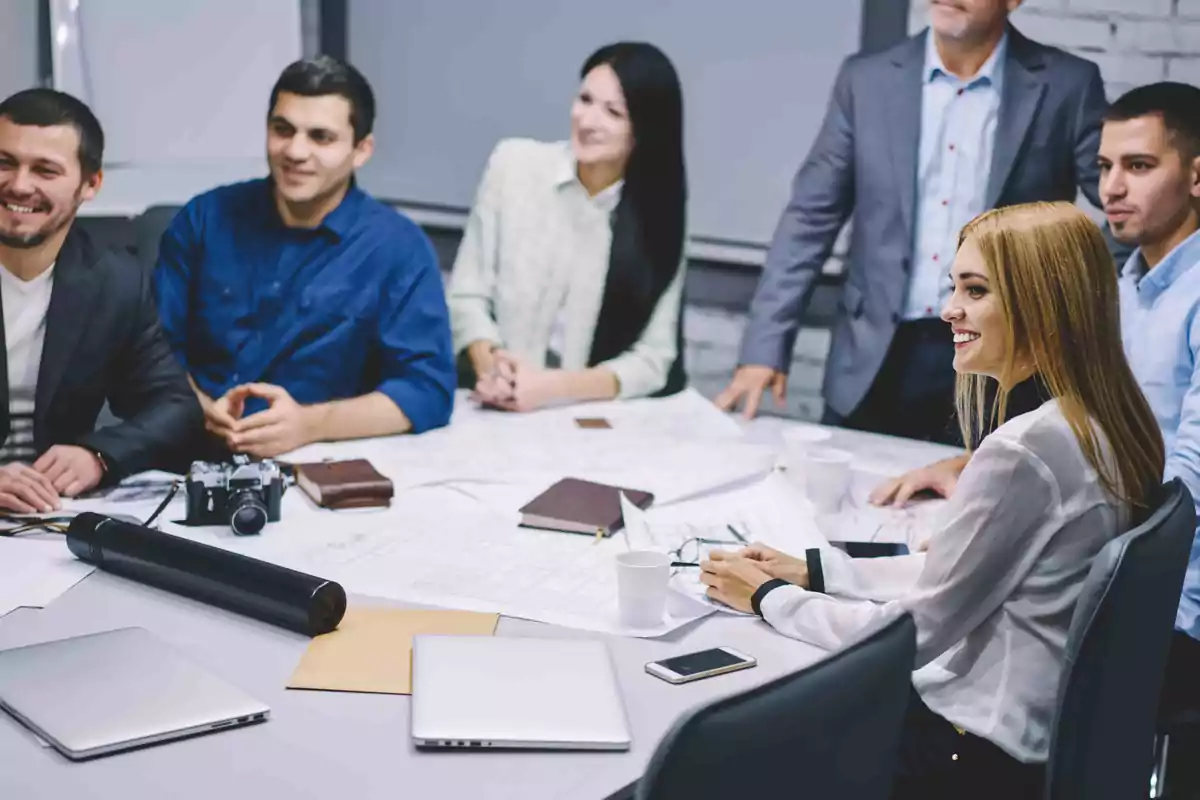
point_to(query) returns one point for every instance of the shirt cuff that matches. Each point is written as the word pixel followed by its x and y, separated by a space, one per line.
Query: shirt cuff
pixel 635 378
pixel 426 406
pixel 771 608
pixel 762 591
pixel 473 327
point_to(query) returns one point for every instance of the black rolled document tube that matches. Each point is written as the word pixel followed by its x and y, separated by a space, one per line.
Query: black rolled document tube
pixel 239 583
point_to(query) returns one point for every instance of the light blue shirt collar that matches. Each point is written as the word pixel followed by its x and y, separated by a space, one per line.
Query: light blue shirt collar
pixel 1152 283
pixel 990 73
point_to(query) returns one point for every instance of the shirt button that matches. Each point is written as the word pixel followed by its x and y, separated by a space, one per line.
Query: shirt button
pixel 951 148
pixel 236 376
pixel 935 256
pixel 928 310
pixel 960 91
pixel 945 202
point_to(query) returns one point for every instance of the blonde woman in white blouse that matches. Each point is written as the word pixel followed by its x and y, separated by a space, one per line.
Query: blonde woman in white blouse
pixel 568 281
pixel 1034 303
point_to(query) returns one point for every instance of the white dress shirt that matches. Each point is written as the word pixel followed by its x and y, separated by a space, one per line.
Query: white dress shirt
pixel 533 262
pixel 993 596
pixel 954 152
pixel 25 304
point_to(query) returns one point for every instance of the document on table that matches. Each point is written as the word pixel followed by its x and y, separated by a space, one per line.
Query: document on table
pixel 433 547
pixel 34 572
pixel 675 447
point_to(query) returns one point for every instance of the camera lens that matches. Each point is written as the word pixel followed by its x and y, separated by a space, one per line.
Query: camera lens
pixel 247 513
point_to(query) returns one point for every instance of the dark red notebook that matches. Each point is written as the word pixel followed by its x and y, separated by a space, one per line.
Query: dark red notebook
pixel 578 506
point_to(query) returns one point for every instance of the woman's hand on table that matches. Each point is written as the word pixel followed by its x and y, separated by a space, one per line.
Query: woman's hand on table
pixel 732 579
pixel 778 564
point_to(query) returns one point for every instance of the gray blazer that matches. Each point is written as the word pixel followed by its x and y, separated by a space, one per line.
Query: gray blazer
pixel 864 162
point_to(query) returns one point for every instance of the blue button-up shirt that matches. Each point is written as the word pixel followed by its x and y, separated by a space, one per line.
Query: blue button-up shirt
pixel 958 130
pixel 352 306
pixel 1160 326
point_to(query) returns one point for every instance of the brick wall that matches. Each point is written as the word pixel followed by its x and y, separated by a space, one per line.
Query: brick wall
pixel 1132 41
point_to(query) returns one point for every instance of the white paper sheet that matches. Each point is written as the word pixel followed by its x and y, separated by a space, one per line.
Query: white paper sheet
pixel 675 447
pixel 34 572
pixel 436 547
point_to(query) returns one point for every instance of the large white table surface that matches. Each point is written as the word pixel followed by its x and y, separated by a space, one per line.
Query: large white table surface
pixel 345 745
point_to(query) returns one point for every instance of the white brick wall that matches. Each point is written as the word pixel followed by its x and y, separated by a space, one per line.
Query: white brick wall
pixel 1132 41
pixel 713 338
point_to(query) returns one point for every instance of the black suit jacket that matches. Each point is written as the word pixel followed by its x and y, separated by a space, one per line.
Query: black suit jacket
pixel 103 343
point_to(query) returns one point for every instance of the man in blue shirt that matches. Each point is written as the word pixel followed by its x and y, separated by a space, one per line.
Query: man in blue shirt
pixel 1150 184
pixel 303 309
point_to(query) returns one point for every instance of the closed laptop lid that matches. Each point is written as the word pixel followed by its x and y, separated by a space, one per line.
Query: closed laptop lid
pixel 105 691
pixel 516 692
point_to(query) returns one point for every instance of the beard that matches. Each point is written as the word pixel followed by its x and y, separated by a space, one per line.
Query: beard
pixel 29 241
pixel 56 222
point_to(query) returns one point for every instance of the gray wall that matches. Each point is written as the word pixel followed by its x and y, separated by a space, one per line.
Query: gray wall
pixel 455 76
pixel 18 45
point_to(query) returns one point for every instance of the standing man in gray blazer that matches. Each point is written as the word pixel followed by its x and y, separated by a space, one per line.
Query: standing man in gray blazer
pixel 917 140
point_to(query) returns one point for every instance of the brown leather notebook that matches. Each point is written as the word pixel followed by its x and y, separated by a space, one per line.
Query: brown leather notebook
pixel 579 506
pixel 344 484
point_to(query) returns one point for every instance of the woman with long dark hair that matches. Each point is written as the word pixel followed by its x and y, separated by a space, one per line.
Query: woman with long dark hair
pixel 569 278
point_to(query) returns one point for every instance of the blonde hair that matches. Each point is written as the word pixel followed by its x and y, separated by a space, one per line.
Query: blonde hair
pixel 1057 289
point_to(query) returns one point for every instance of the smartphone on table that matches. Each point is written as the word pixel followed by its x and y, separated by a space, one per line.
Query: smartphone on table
pixel 702 664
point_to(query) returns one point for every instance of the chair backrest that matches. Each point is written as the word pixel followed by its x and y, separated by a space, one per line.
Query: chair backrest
pixel 149 228
pixel 831 730
pixel 1103 740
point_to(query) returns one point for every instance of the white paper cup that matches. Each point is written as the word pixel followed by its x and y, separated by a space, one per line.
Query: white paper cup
pixel 827 476
pixel 797 441
pixel 642 578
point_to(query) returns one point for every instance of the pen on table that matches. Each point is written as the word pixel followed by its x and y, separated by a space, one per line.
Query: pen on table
pixel 737 535
pixel 684 564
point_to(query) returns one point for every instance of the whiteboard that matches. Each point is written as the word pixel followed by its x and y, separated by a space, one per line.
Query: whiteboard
pixel 181 89
pixel 452 77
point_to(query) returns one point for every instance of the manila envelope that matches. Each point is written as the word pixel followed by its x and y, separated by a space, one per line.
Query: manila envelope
pixel 371 650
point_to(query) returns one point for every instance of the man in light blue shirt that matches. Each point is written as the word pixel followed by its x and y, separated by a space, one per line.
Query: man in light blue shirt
pixel 954 159
pixel 1150 184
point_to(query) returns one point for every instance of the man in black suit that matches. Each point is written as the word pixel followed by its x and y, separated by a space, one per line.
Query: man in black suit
pixel 80 324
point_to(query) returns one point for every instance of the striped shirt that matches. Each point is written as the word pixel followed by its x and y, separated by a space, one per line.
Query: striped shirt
pixel 25 304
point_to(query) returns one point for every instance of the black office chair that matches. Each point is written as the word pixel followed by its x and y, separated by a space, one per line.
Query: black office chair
pixel 1103 740
pixel 149 227
pixel 829 731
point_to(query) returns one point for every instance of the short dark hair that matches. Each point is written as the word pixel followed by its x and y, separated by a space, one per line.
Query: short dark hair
pixel 321 75
pixel 1177 104
pixel 49 107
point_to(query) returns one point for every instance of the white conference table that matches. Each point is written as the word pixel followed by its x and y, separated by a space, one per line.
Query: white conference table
pixel 344 745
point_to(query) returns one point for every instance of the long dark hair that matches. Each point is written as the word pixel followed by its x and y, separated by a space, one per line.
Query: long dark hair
pixel 648 222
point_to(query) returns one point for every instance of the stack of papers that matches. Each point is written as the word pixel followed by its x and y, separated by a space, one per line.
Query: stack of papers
pixel 33 573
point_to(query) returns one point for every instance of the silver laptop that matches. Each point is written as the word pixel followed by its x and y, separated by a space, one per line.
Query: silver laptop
pixel 493 691
pixel 97 694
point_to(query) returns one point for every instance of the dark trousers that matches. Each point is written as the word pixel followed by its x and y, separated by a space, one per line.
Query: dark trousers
pixel 1181 695
pixel 939 762
pixel 913 394
pixel 1181 686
